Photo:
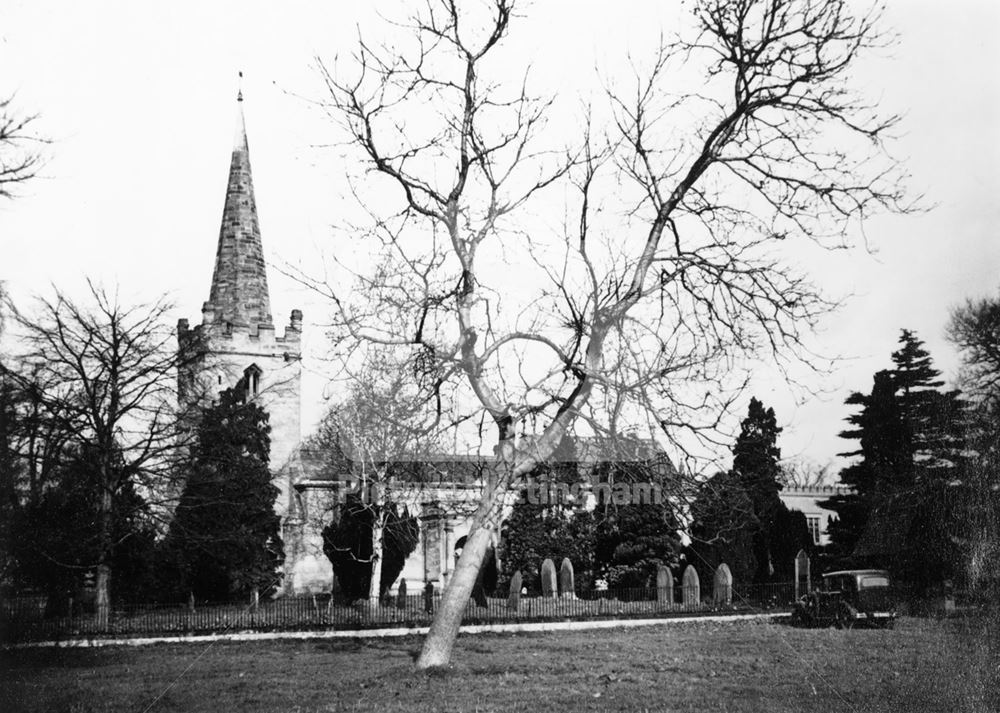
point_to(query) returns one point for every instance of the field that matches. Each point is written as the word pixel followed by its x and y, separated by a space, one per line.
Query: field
pixel 921 665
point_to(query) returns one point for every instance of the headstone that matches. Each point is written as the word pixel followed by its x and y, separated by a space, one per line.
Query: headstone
pixel 722 586
pixel 690 587
pixel 514 598
pixel 566 584
pixel 664 585
pixel 802 579
pixel 549 579
pixel 429 597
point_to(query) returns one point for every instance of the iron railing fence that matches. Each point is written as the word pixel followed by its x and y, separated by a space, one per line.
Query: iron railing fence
pixel 31 618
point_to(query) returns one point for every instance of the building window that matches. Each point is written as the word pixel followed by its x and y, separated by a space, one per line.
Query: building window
pixel 813 523
pixel 251 381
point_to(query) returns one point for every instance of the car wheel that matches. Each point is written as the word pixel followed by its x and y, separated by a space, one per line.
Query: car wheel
pixel 844 620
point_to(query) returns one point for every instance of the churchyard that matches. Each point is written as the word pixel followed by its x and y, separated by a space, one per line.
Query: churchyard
pixel 38 619
pixel 924 664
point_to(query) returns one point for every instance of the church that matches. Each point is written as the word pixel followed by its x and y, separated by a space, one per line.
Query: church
pixel 237 344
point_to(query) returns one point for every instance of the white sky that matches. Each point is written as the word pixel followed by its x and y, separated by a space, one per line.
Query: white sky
pixel 139 101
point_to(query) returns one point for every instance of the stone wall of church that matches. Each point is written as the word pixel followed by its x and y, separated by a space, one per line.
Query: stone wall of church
pixel 224 353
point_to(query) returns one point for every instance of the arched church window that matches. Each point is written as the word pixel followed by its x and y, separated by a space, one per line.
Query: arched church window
pixel 251 381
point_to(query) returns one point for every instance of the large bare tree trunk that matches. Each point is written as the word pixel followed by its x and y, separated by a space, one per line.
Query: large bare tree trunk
pixel 103 583
pixel 378 536
pixel 448 618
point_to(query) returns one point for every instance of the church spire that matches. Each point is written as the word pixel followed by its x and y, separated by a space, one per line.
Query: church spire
pixel 239 294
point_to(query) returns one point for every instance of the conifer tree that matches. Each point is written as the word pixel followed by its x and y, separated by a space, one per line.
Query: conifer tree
pixel 901 511
pixel 634 535
pixel 225 537
pixel 884 450
pixel 933 417
pixel 755 462
pixel 632 540
pixel 348 545
pixel 739 518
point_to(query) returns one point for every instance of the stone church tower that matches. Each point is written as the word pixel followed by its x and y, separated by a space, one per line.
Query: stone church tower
pixel 236 344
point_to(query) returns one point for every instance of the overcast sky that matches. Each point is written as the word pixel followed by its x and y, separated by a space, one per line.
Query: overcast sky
pixel 138 99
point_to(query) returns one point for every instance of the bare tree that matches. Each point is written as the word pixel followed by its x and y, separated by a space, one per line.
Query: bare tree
pixel 382 426
pixel 103 374
pixel 804 473
pixel 975 329
pixel 669 274
pixel 20 159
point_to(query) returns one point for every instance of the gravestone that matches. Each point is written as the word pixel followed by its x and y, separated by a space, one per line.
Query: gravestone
pixel 514 598
pixel 802 579
pixel 690 587
pixel 664 585
pixel 722 586
pixel 566 582
pixel 549 579
pixel 429 597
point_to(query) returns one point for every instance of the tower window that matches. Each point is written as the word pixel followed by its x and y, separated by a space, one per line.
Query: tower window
pixel 251 381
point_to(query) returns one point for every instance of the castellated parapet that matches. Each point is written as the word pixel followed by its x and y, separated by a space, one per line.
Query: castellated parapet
pixel 222 355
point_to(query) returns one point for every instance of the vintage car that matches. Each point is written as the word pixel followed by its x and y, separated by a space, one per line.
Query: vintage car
pixel 855 597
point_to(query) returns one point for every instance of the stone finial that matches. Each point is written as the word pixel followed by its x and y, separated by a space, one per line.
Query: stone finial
pixel 295 323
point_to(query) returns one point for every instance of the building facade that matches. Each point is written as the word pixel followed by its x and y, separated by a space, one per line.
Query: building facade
pixel 807 501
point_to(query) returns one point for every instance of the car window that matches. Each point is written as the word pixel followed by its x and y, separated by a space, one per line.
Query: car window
pixel 874 581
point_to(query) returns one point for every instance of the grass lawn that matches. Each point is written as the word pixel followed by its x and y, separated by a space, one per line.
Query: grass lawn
pixel 922 665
